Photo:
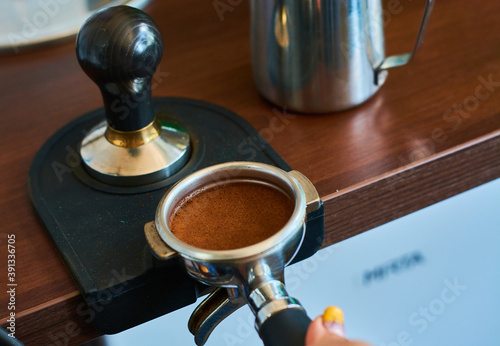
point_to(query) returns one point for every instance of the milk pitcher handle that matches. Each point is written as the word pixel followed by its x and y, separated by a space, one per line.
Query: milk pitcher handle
pixel 403 59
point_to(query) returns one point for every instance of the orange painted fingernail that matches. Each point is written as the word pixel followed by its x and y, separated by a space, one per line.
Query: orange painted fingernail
pixel 333 320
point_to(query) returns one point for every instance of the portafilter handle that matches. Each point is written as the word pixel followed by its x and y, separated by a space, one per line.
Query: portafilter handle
pixel 286 327
pixel 279 318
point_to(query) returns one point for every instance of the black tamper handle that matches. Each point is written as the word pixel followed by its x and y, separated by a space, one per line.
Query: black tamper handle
pixel 287 327
pixel 119 48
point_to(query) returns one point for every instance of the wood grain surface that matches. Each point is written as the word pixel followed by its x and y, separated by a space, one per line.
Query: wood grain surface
pixel 432 131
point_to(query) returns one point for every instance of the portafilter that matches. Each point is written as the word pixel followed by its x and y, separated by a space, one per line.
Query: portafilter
pixel 252 275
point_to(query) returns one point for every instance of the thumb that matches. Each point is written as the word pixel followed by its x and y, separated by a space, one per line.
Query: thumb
pixel 317 331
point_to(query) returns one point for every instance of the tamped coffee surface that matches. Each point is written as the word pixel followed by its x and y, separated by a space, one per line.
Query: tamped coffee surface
pixel 230 216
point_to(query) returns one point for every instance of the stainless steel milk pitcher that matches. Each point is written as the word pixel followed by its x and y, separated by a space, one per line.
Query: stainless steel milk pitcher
pixel 318 56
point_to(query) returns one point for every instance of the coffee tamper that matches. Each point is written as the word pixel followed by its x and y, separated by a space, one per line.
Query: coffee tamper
pixel 119 48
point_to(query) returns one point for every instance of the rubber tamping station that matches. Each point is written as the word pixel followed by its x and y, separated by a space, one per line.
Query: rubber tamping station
pixel 129 153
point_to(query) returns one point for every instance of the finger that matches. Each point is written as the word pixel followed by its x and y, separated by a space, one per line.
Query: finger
pixel 333 320
pixel 315 331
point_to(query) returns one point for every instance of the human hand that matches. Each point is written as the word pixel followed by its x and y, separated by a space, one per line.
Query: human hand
pixel 320 335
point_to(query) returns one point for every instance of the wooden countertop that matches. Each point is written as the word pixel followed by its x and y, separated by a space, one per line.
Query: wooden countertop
pixel 432 131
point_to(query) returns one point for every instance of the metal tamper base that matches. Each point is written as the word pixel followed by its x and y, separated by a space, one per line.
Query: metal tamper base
pixel 149 162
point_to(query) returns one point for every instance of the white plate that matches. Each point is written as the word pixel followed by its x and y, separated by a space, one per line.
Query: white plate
pixel 25 23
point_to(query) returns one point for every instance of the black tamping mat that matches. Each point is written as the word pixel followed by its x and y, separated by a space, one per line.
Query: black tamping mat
pixel 98 229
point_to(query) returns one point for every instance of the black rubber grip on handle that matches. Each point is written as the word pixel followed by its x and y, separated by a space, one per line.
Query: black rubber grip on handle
pixel 285 328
